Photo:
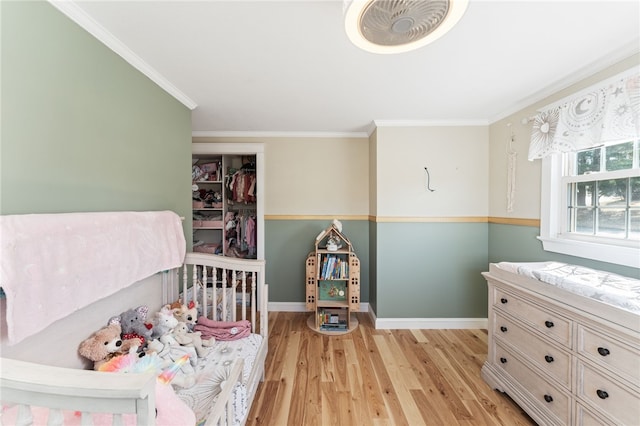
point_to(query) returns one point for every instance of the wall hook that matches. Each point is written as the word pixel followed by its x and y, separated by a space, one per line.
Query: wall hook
pixel 428 180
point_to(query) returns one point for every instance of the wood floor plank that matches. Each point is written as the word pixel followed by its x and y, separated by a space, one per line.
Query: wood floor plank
pixel 389 395
pixel 375 377
pixel 297 407
pixel 401 377
pixel 285 390
pixel 430 412
pixel 371 389
pixel 262 408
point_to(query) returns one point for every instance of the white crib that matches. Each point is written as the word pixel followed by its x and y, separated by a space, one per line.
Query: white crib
pixel 26 385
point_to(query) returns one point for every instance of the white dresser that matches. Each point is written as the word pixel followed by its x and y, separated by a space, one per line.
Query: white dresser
pixel 564 358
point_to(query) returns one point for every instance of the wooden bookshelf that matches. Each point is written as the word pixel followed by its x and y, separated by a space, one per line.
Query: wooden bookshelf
pixel 332 283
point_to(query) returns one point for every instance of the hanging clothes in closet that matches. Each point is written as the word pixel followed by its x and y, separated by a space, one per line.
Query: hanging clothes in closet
pixel 240 222
pixel 241 234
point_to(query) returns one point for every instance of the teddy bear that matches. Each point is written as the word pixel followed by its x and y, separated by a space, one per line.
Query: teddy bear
pixel 188 338
pixel 133 323
pixel 105 344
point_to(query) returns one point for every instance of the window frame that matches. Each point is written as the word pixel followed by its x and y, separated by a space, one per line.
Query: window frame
pixel 553 223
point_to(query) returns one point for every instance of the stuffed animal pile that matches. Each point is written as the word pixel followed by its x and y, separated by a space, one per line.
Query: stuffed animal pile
pixel 165 340
pixel 107 343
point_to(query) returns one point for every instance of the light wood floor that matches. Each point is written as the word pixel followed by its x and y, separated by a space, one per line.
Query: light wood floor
pixel 377 377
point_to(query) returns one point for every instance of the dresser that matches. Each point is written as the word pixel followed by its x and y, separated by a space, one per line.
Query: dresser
pixel 566 359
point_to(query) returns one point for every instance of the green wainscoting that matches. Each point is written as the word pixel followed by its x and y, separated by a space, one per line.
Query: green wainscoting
pixel 431 270
pixel 287 244
pixel 514 243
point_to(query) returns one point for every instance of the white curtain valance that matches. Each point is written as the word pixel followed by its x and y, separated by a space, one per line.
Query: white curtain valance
pixel 608 112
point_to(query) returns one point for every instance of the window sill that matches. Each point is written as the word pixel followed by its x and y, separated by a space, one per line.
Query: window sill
pixel 619 255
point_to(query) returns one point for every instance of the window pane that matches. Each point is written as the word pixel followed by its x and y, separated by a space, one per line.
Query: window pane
pixel 583 196
pixel 619 157
pixel 612 223
pixel 634 230
pixel 635 192
pixel 588 161
pixel 584 221
pixel 612 192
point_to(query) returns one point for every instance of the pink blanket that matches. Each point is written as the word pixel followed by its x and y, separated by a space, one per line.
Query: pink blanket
pixel 54 264
pixel 223 330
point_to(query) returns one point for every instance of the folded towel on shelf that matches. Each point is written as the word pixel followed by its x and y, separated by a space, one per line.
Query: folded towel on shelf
pixel 223 330
pixel 54 264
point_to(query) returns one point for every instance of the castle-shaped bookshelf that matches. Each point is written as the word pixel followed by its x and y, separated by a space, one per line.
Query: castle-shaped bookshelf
pixel 333 283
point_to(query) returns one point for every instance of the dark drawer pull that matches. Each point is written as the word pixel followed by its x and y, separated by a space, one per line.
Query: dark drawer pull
pixel 603 351
pixel 503 360
pixel 548 358
pixel 503 329
pixel 548 398
pixel 503 300
pixel 549 324
pixel 602 394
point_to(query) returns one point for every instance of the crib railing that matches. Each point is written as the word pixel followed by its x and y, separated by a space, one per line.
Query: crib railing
pixel 221 414
pixel 59 389
pixel 226 288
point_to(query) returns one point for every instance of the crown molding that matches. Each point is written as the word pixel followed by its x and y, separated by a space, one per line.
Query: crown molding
pixel 591 69
pixel 266 134
pixel 80 17
pixel 431 123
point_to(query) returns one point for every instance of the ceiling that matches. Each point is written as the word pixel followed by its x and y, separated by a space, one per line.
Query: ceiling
pixel 287 67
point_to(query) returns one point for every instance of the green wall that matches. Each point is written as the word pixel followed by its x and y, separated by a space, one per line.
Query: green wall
pixel 513 243
pixel 82 130
pixel 287 244
pixel 431 270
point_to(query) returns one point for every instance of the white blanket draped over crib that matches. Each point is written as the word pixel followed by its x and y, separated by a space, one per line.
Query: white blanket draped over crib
pixel 54 264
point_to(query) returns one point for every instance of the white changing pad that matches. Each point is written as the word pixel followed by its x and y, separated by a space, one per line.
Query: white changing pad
pixel 212 372
pixel 617 290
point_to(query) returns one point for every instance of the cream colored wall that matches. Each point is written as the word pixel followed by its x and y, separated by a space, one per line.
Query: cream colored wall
pixel 527 197
pixel 313 176
pixel 373 171
pixel 457 160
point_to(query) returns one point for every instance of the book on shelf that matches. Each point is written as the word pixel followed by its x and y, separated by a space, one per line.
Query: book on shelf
pixel 334 268
pixel 332 319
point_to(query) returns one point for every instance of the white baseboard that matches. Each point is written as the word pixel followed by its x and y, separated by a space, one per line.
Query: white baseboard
pixel 430 323
pixel 395 323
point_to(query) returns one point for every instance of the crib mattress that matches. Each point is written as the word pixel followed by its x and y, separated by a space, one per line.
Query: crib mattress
pixel 212 372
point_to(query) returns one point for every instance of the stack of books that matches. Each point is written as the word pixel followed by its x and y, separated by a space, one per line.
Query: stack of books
pixel 332 322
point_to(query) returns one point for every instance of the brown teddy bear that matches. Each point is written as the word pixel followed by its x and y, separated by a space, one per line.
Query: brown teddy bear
pixel 105 344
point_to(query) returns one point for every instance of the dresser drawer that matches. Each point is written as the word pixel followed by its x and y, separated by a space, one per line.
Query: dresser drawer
pixel 585 418
pixel 544 354
pixel 605 395
pixel 622 358
pixel 548 397
pixel 553 325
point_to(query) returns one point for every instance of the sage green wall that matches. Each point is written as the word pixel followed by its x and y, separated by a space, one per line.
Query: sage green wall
pixel 82 130
pixel 373 266
pixel 432 270
pixel 513 243
pixel 287 244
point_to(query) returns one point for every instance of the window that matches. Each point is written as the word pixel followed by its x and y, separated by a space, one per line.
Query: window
pixel 591 203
